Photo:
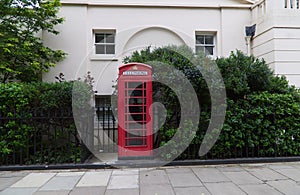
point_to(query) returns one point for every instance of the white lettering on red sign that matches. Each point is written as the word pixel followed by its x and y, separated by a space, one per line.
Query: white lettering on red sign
pixel 135 73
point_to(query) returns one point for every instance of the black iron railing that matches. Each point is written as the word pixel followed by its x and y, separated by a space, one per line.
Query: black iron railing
pixel 40 137
pixel 50 137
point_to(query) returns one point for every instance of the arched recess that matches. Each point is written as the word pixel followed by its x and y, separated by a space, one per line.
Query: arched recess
pixel 152 36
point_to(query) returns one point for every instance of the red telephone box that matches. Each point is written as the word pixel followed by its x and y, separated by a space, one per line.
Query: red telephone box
pixel 135 139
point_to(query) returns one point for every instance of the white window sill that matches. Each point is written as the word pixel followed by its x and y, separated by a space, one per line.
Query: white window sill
pixel 103 58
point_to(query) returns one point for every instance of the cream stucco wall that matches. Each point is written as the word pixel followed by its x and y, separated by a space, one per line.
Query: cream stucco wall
pixel 278 38
pixel 139 24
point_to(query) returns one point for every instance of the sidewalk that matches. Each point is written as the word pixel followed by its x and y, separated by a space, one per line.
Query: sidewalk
pixel 276 178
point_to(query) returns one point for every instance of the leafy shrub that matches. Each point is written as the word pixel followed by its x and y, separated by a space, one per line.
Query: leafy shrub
pixel 262 117
pixel 37 124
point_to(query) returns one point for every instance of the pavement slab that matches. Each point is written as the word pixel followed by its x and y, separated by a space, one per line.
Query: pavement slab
pixel 184 180
pixel 34 180
pixel 100 178
pixel 191 191
pixel 58 183
pixel 223 188
pixel 242 178
pixel 14 173
pixel 259 189
pixel 122 192
pixel 171 170
pixel 210 174
pixel 126 172
pixel 8 181
pixel 266 174
pixel 18 191
pixel 154 177
pixel 277 166
pixel 287 187
pixel 70 174
pixel 123 181
pixel 293 174
pixel 230 168
pixel 163 189
pixel 59 192
pixel 88 191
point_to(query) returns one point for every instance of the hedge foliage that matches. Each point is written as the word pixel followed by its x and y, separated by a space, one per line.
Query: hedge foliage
pixel 262 117
pixel 36 124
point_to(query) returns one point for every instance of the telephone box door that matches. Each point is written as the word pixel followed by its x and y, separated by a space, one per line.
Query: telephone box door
pixel 135 137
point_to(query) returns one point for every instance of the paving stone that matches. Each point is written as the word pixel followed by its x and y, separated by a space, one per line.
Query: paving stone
pixel 259 189
pixel 126 172
pixel 210 175
pixel 123 181
pixel 256 165
pixel 18 191
pixel 154 177
pixel 34 180
pixel 242 178
pixel 184 180
pixel 70 174
pixel 191 191
pixel 94 179
pixel 266 174
pixel 280 166
pixel 63 192
pixel 178 170
pixel 294 173
pixel 297 166
pixel 224 188
pixel 8 181
pixel 61 183
pixel 123 192
pixel 88 191
pixel 163 189
pixel 287 187
pixel 230 168
pixel 14 173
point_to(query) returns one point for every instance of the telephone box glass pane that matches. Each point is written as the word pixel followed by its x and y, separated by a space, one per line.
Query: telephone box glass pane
pixel 134 85
pixel 135 113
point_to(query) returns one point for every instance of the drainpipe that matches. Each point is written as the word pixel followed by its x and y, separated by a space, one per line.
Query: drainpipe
pixel 248 39
pixel 250 32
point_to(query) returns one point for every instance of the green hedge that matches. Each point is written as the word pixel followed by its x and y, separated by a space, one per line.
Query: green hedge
pixel 36 124
pixel 262 117
pixel 262 124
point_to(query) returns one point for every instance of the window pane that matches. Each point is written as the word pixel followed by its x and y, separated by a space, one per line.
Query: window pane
pixel 199 49
pixel 110 49
pixel 209 50
pixel 100 49
pixel 199 39
pixel 99 38
pixel 209 39
pixel 135 142
pixel 110 38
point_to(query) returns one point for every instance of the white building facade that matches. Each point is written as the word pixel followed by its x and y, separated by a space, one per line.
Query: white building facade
pixel 98 34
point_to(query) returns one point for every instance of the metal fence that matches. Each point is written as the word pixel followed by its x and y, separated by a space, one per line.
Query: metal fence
pixel 105 130
pixel 40 137
pixel 50 137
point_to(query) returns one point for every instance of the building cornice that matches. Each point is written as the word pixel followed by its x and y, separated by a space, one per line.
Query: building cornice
pixel 157 5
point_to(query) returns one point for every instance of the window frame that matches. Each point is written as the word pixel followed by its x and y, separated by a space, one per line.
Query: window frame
pixel 104 32
pixel 204 45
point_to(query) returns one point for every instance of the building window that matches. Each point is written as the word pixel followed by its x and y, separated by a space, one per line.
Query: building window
pixel 105 42
pixel 103 109
pixel 205 43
